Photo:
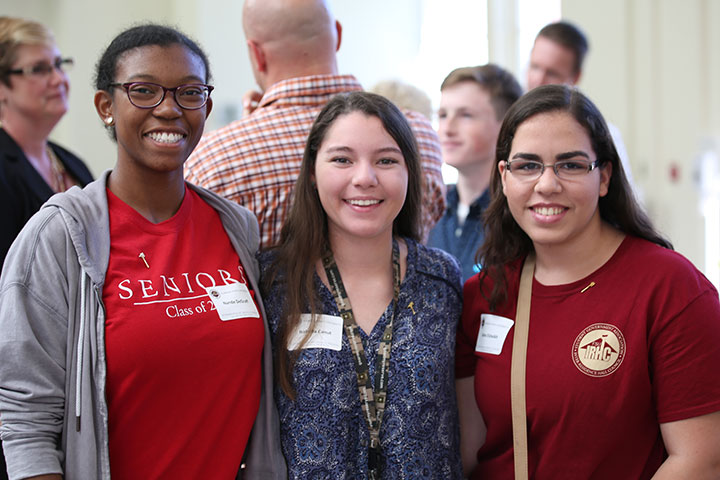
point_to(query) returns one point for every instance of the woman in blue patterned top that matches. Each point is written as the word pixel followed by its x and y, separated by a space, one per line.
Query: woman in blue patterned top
pixel 363 317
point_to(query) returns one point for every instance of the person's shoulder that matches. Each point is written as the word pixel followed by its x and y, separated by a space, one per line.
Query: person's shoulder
pixel 219 138
pixel 429 258
pixel 223 205
pixel 216 152
pixel 73 163
pixel 654 256
pixel 482 283
pixel 44 237
pixel 242 222
pixel 415 116
pixel 10 160
pixel 419 123
pixel 86 206
pixel 57 148
pixel 427 139
pixel 272 276
pixel 436 263
pixel 266 258
pixel 661 266
pixel 244 134
pixel 7 144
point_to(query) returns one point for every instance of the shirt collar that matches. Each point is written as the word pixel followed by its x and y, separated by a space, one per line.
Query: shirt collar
pixel 310 90
pixel 453 199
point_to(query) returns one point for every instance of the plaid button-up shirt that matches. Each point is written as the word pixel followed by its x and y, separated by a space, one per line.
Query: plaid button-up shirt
pixel 255 161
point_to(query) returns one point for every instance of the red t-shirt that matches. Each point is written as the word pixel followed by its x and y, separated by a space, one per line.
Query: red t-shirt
pixel 604 367
pixel 183 386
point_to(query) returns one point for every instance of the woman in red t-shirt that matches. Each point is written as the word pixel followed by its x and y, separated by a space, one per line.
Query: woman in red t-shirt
pixel 622 359
pixel 139 346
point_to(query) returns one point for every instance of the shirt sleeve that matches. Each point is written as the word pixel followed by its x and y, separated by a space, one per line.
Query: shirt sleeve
pixel 33 351
pixel 685 360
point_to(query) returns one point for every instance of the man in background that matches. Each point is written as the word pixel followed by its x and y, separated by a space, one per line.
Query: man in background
pixel 473 102
pixel 255 161
pixel 557 58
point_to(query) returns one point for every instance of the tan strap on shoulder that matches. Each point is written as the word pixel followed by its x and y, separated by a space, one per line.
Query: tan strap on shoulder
pixel 517 369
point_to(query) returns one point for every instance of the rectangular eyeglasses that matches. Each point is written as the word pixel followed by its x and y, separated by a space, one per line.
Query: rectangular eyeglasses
pixel 43 69
pixel 564 169
pixel 150 95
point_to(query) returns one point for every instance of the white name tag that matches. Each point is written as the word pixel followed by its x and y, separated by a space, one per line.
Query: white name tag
pixel 327 333
pixel 492 333
pixel 233 301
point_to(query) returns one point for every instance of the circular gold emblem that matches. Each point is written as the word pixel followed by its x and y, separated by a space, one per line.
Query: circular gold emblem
pixel 599 350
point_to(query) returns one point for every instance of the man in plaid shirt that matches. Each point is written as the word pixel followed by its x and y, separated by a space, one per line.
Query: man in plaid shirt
pixel 255 161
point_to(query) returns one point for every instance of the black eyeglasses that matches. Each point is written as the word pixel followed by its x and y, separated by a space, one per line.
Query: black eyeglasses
pixel 564 169
pixel 43 69
pixel 150 95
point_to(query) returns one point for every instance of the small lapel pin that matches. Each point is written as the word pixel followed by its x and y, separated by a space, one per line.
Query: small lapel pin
pixel 410 306
pixel 142 256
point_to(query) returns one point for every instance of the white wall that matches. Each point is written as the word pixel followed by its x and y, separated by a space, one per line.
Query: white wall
pixel 373 48
pixel 653 70
pixel 83 28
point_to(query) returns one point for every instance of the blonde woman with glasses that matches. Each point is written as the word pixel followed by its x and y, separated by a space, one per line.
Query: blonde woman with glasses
pixel 33 98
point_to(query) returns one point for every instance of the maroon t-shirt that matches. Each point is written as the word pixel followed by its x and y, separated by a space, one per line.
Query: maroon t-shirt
pixel 183 386
pixel 605 366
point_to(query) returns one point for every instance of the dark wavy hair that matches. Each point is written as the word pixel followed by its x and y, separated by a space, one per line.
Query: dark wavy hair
pixel 505 241
pixel 136 37
pixel 304 235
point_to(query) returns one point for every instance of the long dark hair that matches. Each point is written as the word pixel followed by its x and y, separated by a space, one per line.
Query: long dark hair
pixel 304 235
pixel 505 241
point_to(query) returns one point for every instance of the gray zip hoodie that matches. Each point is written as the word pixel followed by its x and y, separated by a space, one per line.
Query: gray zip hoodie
pixel 52 340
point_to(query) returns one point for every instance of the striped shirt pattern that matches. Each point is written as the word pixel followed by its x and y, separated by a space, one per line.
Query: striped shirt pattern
pixel 255 161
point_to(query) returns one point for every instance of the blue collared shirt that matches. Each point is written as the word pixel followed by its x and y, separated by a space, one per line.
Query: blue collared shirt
pixel 461 240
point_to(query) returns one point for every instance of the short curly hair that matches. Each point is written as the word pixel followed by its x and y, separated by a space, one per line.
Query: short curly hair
pixel 142 36
pixel 135 37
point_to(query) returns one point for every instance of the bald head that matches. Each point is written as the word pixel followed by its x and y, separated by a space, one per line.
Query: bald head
pixel 290 38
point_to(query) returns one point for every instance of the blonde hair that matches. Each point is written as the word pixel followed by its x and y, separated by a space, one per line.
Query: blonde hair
pixel 15 32
pixel 404 95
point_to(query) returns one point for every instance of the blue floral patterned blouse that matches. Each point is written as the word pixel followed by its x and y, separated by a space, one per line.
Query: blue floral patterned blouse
pixel 323 432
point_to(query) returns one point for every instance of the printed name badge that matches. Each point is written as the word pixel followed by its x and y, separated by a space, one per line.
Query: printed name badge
pixel 492 333
pixel 327 333
pixel 233 301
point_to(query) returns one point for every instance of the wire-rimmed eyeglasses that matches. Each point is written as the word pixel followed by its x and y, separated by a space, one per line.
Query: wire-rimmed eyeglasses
pixel 150 95
pixel 43 69
pixel 564 169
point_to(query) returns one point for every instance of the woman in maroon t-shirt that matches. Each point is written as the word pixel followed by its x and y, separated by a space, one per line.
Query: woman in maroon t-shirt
pixel 621 364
